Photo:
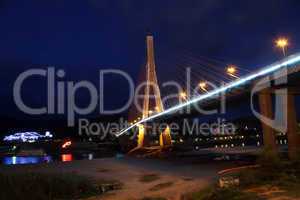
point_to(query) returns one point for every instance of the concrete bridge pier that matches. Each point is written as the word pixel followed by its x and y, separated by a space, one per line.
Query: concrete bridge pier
pixel 293 134
pixel 266 109
pixel 165 140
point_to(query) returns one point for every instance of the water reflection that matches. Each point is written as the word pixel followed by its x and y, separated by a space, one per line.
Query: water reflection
pixel 16 160
pixel 19 160
pixel 66 157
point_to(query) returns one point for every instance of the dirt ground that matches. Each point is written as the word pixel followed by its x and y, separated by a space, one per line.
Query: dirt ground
pixel 172 177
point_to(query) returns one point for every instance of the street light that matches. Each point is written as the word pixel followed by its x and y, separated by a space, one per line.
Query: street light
pixel 282 43
pixel 182 95
pixel 231 70
pixel 203 85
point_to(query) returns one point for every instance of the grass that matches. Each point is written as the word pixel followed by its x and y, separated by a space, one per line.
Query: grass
pixel 286 174
pixel 213 193
pixel 147 178
pixel 161 186
pixel 273 173
pixel 45 186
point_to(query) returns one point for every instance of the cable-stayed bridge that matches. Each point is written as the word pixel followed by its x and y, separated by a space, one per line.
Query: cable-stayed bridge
pixel 262 81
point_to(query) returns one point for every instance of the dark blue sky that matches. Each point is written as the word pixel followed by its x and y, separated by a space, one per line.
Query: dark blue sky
pixel 84 36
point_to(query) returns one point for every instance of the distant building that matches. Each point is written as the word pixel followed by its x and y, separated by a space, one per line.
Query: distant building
pixel 27 137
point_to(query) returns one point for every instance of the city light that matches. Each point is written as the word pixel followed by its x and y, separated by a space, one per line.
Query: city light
pixel 66 144
pixel 66 157
pixel 282 43
pixel 27 137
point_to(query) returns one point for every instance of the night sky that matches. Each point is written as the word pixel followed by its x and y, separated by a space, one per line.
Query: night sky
pixel 85 36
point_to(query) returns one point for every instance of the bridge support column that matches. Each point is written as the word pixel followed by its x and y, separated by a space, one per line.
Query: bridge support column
pixel 142 139
pixel 265 104
pixel 165 138
pixel 292 127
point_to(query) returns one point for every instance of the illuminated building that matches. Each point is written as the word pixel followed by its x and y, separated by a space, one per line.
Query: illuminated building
pixel 27 137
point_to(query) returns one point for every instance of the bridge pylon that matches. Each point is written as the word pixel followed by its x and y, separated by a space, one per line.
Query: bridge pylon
pixel 151 87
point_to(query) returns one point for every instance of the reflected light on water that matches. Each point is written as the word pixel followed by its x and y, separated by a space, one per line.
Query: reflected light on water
pixel 16 160
pixel 90 156
pixel 66 157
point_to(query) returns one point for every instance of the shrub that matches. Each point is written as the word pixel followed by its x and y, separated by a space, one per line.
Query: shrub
pixel 40 186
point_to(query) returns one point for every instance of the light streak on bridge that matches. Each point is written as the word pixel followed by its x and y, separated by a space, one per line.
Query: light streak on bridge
pixel 293 59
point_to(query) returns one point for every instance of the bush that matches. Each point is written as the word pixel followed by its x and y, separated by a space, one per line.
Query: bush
pixel 39 186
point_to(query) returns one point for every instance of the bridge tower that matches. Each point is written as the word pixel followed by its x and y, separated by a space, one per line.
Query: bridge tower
pixel 152 88
pixel 151 81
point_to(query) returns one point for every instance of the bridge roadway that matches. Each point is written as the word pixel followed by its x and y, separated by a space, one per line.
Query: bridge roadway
pixel 235 91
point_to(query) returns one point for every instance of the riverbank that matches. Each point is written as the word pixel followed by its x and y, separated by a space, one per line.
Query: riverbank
pixel 139 177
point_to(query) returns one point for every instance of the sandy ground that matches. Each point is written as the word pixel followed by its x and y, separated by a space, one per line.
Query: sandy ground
pixel 185 175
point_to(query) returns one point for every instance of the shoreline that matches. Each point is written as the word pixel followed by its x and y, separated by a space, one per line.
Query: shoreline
pixel 183 175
